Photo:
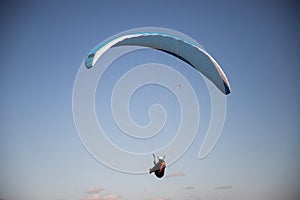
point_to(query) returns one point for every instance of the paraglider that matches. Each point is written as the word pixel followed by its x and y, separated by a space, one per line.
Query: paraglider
pixel 159 166
pixel 181 48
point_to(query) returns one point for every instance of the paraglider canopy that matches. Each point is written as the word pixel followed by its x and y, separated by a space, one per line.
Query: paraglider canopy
pixel 181 48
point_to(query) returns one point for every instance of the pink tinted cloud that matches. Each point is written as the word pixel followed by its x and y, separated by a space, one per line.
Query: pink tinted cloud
pixel 94 190
pixel 93 194
pixel 111 197
pixel 93 197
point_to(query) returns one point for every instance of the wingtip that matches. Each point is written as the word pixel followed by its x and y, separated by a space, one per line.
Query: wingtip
pixel 227 89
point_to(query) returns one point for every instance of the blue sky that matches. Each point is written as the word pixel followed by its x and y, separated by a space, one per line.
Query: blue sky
pixel 42 47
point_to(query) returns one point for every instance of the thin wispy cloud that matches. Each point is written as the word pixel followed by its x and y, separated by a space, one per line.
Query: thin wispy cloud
pixel 94 190
pixel 175 174
pixel 224 187
pixel 111 197
pixel 93 197
pixel 161 198
pixel 94 194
